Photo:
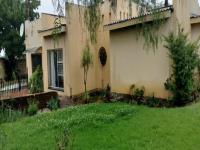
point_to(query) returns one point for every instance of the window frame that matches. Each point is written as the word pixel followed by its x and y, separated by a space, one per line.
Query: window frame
pixel 58 62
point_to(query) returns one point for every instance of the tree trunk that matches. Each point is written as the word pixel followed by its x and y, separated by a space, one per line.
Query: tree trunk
pixel 85 79
pixel 166 3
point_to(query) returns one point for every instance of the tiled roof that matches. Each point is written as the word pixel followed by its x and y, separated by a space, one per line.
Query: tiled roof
pixel 162 9
pixel 195 16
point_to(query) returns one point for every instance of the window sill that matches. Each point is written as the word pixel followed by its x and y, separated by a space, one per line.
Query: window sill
pixel 57 89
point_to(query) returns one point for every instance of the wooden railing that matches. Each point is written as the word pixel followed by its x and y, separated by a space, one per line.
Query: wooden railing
pixel 14 88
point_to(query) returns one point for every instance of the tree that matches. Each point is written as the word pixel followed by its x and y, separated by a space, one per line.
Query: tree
pixel 166 3
pixel 86 62
pixel 11 17
pixel 36 81
pixel 185 58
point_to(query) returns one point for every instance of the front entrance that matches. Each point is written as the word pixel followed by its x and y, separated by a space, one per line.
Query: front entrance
pixel 36 61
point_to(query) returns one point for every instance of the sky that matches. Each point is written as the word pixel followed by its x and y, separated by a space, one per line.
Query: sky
pixel 47 7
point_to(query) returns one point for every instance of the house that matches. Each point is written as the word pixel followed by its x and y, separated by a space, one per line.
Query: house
pixel 61 58
pixel 131 63
pixel 128 62
pixel 2 68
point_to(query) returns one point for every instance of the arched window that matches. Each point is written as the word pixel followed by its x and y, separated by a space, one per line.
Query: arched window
pixel 102 56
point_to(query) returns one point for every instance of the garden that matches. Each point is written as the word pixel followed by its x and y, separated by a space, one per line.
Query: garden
pixel 106 126
pixel 105 120
pixel 109 120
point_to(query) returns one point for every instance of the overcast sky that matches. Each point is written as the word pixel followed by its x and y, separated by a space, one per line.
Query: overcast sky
pixel 47 7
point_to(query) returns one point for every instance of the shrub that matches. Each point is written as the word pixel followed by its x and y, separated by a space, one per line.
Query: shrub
pixel 153 102
pixel 36 81
pixel 32 108
pixel 86 97
pixel 53 104
pixel 108 93
pixel 9 115
pixel 185 59
pixel 137 94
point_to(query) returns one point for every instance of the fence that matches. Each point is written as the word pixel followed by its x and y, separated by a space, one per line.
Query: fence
pixel 15 88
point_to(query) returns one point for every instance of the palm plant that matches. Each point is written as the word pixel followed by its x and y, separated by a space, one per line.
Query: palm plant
pixel 86 62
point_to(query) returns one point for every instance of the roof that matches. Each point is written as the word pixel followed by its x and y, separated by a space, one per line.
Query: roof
pixel 53 15
pixel 162 9
pixel 195 19
pixel 33 50
pixel 62 25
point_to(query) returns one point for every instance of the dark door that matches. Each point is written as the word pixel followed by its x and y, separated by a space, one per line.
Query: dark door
pixel 36 61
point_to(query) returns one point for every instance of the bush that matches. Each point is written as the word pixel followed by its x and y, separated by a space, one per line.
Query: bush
pixel 9 115
pixel 36 81
pixel 108 93
pixel 53 104
pixel 153 102
pixel 185 59
pixel 137 94
pixel 86 97
pixel 32 108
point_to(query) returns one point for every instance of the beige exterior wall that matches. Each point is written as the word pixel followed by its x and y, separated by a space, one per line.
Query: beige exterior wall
pixel 98 77
pixel 48 44
pixel 128 63
pixel 195 9
pixel 182 12
pixel 47 21
pixel 32 40
pixel 132 64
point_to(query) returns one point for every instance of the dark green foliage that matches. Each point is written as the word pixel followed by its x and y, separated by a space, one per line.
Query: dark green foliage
pixel 32 108
pixel 86 62
pixel 11 17
pixel 53 104
pixel 105 94
pixel 86 97
pixel 185 58
pixel 108 93
pixel 153 102
pixel 36 81
pixel 137 94
pixel 9 115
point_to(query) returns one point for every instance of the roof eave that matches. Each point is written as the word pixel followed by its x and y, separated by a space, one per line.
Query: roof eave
pixel 194 20
pixel 148 18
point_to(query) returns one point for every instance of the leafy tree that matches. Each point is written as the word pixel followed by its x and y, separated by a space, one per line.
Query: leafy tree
pixel 86 62
pixel 184 55
pixel 36 81
pixel 11 17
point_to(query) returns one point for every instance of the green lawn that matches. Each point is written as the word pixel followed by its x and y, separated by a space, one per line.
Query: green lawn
pixel 109 126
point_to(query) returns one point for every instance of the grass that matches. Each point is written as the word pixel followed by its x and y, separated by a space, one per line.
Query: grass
pixel 108 126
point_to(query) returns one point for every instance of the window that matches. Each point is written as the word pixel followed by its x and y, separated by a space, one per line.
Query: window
pixel 55 66
pixel 36 61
